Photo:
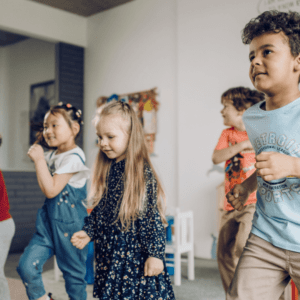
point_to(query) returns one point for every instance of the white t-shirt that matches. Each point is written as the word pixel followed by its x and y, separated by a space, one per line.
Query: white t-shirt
pixel 69 162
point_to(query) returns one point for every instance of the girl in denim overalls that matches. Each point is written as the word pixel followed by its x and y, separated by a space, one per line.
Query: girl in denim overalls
pixel 62 177
pixel 126 223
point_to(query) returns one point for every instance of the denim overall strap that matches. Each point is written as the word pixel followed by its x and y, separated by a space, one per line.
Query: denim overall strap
pixel 78 156
pixel 50 158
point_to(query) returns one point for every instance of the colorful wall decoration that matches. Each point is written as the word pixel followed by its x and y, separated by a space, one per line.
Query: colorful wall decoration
pixel 146 106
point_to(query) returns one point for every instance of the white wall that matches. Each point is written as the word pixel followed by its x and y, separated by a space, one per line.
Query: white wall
pixel 211 59
pixel 26 63
pixel 133 48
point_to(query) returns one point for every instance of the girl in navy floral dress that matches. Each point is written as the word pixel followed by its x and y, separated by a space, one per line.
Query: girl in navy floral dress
pixel 127 222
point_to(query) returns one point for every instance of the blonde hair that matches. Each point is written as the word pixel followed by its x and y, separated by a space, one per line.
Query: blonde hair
pixel 137 156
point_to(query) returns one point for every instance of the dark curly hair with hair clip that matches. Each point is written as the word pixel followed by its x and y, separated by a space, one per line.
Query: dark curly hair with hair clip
pixel 274 21
pixel 70 114
pixel 242 97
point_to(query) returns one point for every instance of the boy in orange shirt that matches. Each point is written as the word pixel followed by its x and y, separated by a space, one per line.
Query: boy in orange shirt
pixel 235 148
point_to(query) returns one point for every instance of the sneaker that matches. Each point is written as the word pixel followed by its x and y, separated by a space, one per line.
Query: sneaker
pixel 50 296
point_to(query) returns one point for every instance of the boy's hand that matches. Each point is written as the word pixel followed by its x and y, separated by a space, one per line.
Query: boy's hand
pixel 238 196
pixel 80 239
pixel 153 266
pixel 247 145
pixel 36 152
pixel 274 165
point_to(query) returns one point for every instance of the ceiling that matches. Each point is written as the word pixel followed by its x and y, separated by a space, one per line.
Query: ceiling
pixel 83 8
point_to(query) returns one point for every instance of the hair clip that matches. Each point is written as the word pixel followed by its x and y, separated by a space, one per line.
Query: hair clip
pixel 68 105
pixel 60 104
pixel 78 113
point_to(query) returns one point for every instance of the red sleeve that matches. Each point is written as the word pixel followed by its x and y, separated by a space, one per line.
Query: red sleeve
pixel 4 204
pixel 223 140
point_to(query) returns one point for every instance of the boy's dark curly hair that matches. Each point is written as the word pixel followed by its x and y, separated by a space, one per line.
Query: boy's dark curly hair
pixel 242 97
pixel 275 21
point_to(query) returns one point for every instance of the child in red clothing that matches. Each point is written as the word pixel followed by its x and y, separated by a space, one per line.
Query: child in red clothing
pixel 235 148
pixel 7 231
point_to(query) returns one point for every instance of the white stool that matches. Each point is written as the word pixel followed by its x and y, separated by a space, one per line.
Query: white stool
pixel 182 242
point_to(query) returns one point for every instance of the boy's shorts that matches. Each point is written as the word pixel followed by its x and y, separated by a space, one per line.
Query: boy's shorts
pixel 263 271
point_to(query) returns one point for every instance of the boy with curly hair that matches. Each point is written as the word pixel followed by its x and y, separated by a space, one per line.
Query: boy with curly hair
pixel 236 150
pixel 271 256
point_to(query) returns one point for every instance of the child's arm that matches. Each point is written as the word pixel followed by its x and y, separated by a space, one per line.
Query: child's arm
pixel 152 232
pixel 226 153
pixel 80 239
pixel 238 196
pixel 274 165
pixel 88 233
pixel 50 186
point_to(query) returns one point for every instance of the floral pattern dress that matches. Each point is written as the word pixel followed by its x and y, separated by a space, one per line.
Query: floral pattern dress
pixel 120 256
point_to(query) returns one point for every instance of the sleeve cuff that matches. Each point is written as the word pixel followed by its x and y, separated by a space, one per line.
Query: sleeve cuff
pixel 88 229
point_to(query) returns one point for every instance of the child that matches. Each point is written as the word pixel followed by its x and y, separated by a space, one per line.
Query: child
pixel 7 231
pixel 126 223
pixel 62 177
pixel 272 254
pixel 234 147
